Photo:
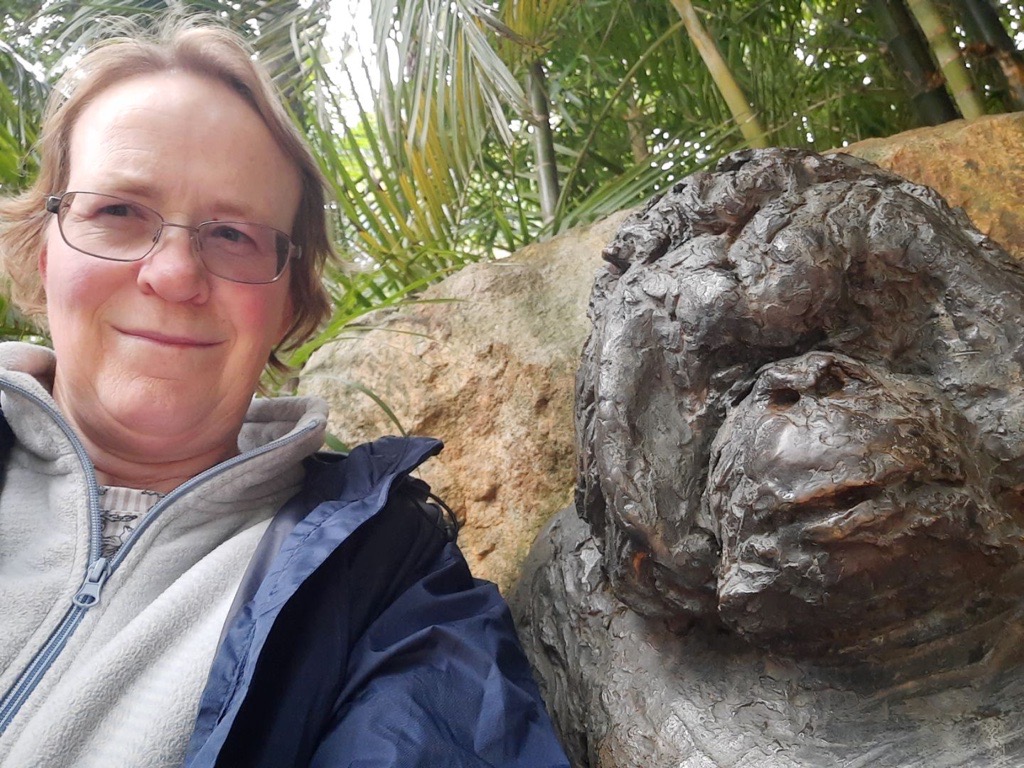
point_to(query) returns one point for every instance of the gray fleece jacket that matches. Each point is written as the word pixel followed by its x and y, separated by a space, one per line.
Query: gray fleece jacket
pixel 123 684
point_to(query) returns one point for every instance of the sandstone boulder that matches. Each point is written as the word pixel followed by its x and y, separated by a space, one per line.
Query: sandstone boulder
pixel 489 370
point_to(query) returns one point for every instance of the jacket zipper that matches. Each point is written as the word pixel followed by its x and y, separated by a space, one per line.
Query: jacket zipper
pixel 99 569
pixel 45 656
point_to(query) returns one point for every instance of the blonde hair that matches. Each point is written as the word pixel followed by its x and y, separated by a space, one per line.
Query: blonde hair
pixel 179 45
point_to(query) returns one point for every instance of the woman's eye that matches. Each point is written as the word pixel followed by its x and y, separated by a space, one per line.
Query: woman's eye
pixel 230 235
pixel 120 210
pixel 117 209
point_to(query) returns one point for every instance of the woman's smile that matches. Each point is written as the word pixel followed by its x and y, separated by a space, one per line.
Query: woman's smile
pixel 163 339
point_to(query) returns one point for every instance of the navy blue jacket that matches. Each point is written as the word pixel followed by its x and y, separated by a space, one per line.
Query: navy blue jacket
pixel 359 638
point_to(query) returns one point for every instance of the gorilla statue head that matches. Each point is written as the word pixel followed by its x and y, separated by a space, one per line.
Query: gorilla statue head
pixel 800 412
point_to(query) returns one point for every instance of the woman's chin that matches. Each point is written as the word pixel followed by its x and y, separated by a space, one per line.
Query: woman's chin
pixel 169 416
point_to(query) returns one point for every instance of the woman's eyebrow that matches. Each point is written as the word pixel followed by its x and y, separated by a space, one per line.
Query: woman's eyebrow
pixel 137 187
pixel 231 210
pixel 122 184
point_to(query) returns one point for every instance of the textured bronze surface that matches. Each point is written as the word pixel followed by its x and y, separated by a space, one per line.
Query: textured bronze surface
pixel 801 461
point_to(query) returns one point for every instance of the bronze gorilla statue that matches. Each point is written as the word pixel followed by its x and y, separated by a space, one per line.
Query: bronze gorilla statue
pixel 800 429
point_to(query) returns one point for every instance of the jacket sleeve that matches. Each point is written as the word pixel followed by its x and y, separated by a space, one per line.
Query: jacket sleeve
pixel 440 679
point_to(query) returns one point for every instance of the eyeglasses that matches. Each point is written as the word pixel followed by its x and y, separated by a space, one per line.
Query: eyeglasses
pixel 116 229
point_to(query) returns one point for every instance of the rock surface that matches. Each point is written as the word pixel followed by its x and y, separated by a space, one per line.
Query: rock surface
pixel 489 371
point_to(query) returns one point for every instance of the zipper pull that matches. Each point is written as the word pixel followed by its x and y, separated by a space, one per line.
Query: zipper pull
pixel 89 593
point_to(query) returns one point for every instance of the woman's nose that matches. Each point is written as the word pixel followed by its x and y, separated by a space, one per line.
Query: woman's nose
pixel 172 270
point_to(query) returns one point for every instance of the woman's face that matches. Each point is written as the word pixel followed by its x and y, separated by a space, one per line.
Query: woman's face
pixel 157 359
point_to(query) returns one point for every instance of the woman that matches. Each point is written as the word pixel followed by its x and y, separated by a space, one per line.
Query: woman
pixel 184 580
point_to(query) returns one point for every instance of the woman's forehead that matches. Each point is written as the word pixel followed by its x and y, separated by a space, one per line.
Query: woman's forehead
pixel 166 134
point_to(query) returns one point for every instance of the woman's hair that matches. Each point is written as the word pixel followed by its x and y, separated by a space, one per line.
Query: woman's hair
pixel 202 49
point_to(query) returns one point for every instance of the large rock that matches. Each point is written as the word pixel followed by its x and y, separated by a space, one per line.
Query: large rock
pixel 489 371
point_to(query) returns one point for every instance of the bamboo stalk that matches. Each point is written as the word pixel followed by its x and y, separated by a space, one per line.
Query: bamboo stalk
pixel 543 142
pixel 989 28
pixel 637 133
pixel 908 50
pixel 948 57
pixel 734 97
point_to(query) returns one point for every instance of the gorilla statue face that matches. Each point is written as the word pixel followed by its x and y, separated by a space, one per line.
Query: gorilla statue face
pixel 851 511
pixel 800 412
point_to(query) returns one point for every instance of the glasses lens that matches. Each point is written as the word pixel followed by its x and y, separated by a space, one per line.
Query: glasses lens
pixel 243 252
pixel 108 227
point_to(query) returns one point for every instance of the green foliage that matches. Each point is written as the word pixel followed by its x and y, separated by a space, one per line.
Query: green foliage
pixel 23 90
pixel 434 165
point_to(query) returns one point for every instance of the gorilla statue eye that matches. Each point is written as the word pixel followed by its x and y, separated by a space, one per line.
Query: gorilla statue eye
pixel 828 384
pixel 784 397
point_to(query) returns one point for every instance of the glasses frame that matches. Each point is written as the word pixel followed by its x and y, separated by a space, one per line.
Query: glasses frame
pixel 54 204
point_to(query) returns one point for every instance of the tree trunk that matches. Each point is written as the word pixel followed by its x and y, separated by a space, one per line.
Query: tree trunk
pixel 907 48
pixel 734 97
pixel 948 57
pixel 543 143
pixel 984 18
